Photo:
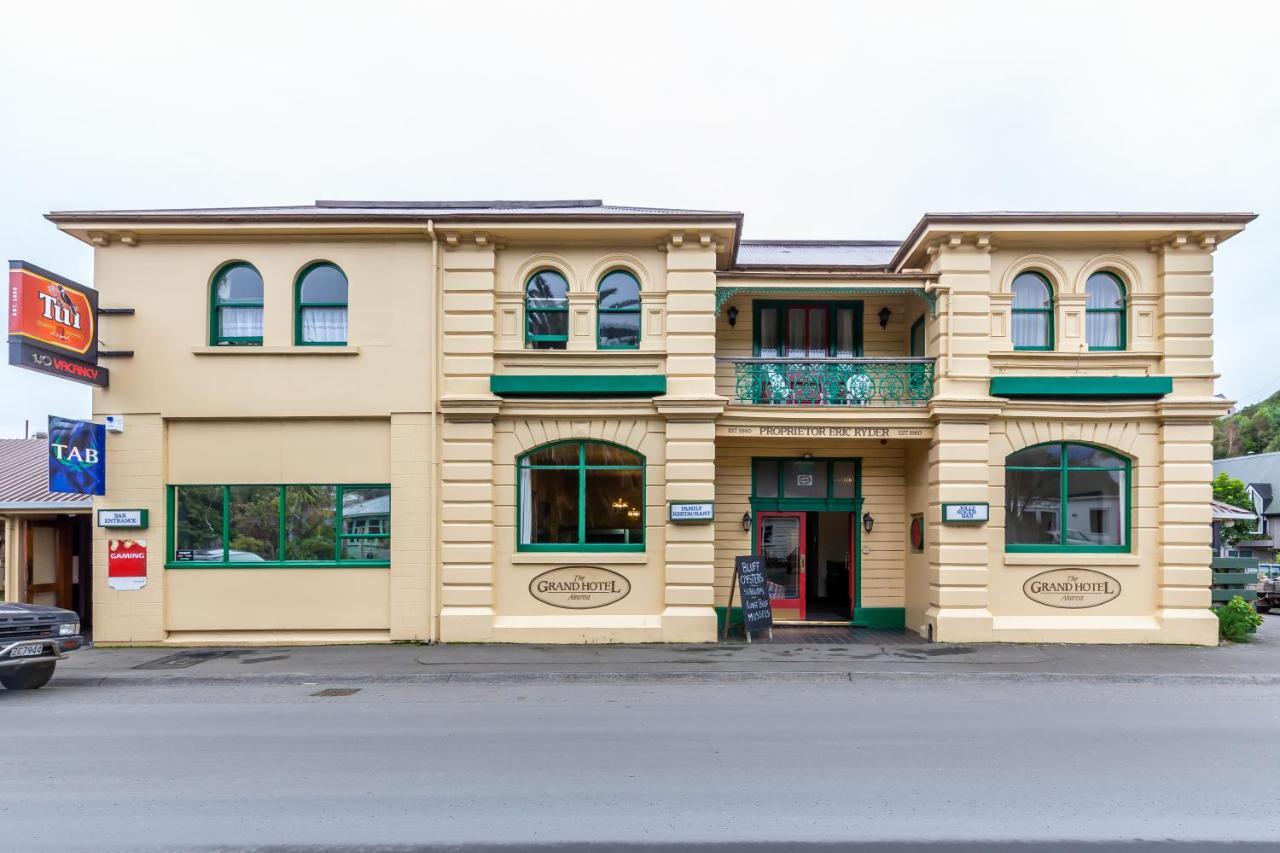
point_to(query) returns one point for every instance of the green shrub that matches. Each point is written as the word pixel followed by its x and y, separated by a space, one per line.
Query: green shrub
pixel 1237 619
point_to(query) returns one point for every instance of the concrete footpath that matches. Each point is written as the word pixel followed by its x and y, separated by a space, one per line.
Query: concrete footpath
pixel 1256 662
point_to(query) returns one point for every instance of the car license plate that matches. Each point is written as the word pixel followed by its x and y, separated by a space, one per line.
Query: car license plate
pixel 27 650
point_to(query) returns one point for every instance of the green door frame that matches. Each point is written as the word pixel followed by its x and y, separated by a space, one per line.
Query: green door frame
pixel 829 504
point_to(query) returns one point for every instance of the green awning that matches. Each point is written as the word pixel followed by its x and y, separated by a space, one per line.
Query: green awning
pixel 580 385
pixel 1077 387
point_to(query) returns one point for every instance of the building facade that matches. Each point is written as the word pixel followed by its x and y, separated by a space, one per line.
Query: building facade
pixel 563 421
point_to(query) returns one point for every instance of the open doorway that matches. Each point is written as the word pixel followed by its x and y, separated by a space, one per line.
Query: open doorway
pixel 809 559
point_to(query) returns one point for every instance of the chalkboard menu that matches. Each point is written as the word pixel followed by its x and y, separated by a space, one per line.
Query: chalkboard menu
pixel 757 614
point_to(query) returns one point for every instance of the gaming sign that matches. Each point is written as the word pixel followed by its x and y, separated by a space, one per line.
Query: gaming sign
pixel 53 325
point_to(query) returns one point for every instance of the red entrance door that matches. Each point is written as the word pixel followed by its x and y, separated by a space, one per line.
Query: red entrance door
pixel 780 539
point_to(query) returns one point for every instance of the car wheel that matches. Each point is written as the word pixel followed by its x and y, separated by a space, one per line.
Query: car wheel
pixel 31 677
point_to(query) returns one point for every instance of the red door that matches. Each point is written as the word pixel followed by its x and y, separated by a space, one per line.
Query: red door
pixel 780 539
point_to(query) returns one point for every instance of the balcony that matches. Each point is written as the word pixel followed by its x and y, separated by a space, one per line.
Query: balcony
pixel 833 382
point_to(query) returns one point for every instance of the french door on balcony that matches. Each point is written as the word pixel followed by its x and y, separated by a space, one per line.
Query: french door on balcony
pixel 808 330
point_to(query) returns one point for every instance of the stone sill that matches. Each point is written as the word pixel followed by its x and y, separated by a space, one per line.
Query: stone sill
pixel 1053 559
pixel 293 350
pixel 578 558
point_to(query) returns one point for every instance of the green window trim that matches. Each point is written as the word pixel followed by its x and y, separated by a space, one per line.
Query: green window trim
pixel 918 325
pixel 1123 311
pixel 601 312
pixel 1048 312
pixel 216 305
pixel 832 306
pixel 829 503
pixel 299 306
pixel 581 546
pixel 339 537
pixel 1064 467
pixel 530 337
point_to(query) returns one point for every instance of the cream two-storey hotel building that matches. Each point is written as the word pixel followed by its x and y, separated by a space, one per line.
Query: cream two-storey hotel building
pixel 561 421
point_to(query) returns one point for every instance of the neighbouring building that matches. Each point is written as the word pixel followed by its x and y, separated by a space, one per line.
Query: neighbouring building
pixel 1260 473
pixel 45 539
pixel 561 421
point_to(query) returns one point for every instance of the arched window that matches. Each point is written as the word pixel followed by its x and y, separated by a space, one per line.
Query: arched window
pixel 580 496
pixel 546 311
pixel 1104 314
pixel 322 306
pixel 235 313
pixel 1032 312
pixel 618 311
pixel 1066 497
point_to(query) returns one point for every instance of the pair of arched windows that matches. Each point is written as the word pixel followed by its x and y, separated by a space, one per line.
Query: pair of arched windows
pixel 1032 324
pixel 546 311
pixel 320 306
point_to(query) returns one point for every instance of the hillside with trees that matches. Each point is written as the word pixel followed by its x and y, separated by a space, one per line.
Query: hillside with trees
pixel 1253 429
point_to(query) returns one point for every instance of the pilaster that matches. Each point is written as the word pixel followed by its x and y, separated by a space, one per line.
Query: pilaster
pixel 413 541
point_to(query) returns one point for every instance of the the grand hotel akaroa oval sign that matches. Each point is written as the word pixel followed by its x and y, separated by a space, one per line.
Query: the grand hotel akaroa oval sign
pixel 579 587
pixel 1071 588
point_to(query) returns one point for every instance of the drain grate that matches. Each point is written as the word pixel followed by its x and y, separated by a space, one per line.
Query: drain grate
pixel 337 691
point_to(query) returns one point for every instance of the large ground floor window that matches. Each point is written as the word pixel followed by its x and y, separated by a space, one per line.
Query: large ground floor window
pixel 1066 497
pixel 296 525
pixel 581 495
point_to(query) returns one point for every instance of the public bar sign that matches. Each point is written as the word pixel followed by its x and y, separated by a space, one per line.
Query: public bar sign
pixel 77 457
pixel 53 325
pixel 126 564
pixel 975 513
pixel 1072 589
pixel 691 513
pixel 129 518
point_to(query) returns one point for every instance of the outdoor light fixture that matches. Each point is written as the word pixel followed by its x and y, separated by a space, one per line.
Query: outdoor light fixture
pixel 868 522
pixel 884 315
pixel 733 316
pixel 746 522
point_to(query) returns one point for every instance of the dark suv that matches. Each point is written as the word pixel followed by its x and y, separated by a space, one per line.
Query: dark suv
pixel 33 638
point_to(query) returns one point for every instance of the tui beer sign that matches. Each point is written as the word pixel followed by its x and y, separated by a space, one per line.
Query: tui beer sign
pixel 53 325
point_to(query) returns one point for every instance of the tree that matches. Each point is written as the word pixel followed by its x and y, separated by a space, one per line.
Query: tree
pixel 1229 490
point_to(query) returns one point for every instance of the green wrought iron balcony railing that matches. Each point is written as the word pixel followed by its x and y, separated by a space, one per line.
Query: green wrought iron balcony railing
pixel 833 381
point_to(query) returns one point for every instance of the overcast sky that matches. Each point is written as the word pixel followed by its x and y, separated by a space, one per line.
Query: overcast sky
pixel 818 120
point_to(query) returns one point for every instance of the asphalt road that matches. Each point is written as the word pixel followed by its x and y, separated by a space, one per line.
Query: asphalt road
pixel 250 765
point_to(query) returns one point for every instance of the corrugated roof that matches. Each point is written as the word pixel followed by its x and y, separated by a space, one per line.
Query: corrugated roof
pixel 1227 512
pixel 24 478
pixel 338 209
pixel 824 254
pixel 1256 469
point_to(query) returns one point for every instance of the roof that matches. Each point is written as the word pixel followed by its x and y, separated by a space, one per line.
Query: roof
pixel 1259 470
pixel 822 254
pixel 24 478
pixel 1227 512
pixel 341 210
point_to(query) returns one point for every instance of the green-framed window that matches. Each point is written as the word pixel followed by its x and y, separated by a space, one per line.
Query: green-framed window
pixel 580 496
pixel 278 526
pixel 917 338
pixel 831 329
pixel 796 483
pixel 235 306
pixel 1104 312
pixel 1064 496
pixel 320 300
pixel 1032 319
pixel 618 311
pixel 546 311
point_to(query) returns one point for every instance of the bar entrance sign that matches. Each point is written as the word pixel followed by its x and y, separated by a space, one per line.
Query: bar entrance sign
pixel 753 586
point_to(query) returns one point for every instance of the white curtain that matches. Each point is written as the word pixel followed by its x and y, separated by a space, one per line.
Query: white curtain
pixel 1102 330
pixel 1030 330
pixel 526 506
pixel 324 325
pixel 241 322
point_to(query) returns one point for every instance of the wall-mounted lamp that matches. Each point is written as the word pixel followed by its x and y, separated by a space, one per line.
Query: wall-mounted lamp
pixel 746 522
pixel 733 316
pixel 868 522
pixel 884 316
